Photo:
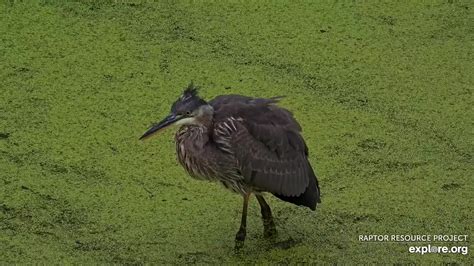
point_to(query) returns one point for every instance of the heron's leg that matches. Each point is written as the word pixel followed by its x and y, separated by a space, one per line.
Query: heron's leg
pixel 269 228
pixel 240 236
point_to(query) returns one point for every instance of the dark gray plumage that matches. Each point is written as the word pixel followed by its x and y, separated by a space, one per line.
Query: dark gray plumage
pixel 250 145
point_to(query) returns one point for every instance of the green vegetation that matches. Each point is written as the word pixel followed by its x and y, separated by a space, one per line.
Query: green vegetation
pixel 383 90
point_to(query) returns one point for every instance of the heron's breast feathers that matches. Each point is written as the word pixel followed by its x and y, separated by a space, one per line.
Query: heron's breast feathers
pixel 203 161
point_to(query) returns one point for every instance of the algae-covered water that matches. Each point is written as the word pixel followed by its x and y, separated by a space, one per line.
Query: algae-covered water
pixel 382 89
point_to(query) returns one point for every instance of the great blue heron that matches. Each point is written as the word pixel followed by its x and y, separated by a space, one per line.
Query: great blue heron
pixel 250 145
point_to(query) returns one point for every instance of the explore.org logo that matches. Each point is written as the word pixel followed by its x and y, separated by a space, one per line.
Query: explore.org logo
pixel 424 243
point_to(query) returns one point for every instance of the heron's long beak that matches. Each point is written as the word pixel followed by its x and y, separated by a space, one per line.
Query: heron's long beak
pixel 170 119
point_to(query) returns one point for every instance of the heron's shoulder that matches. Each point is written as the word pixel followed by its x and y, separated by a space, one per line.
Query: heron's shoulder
pixel 253 111
pixel 222 100
pixel 236 99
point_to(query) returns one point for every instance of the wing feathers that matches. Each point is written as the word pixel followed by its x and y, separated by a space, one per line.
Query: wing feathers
pixel 274 166
pixel 266 141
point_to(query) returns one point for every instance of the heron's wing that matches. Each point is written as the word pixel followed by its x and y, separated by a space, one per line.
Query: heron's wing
pixel 265 139
pixel 256 111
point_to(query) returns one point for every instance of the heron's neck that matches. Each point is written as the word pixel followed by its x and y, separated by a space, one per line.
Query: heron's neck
pixel 205 118
pixel 190 139
pixel 205 122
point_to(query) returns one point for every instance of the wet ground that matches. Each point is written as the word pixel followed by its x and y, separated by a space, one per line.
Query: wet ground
pixel 383 91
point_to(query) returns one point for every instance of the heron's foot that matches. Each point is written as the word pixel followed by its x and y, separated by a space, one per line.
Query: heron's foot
pixel 269 229
pixel 269 232
pixel 240 238
pixel 238 245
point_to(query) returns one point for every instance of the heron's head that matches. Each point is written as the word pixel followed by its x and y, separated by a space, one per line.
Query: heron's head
pixel 188 109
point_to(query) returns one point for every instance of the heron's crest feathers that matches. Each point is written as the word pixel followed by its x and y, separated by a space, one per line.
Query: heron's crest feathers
pixel 191 90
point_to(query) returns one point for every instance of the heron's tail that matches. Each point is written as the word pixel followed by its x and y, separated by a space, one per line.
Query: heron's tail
pixel 310 197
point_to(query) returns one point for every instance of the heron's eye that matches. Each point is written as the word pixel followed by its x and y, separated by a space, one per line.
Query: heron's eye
pixel 188 113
